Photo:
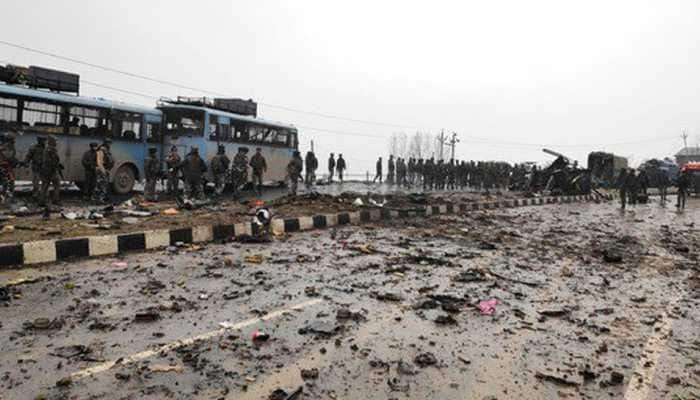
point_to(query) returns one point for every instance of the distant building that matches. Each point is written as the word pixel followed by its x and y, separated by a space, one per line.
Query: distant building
pixel 688 154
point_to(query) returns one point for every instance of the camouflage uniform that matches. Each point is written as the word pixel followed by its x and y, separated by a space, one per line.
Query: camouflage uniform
pixel 239 169
pixel 193 167
pixel 172 162
pixel 311 166
pixel 104 164
pixel 340 166
pixel 33 159
pixel 390 170
pixel 50 167
pixel 8 162
pixel 152 172
pixel 294 169
pixel 89 163
pixel 259 165
pixel 219 168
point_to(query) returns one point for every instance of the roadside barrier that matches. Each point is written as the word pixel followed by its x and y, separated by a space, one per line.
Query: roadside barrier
pixel 48 251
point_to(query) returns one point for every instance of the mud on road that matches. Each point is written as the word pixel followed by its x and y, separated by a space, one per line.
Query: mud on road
pixel 565 301
pixel 25 221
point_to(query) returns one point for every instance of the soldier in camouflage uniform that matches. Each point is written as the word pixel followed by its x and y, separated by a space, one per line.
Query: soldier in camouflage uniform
pixel 8 163
pixel 33 160
pixel 193 167
pixel 152 172
pixel 50 172
pixel 104 162
pixel 219 168
pixel 172 162
pixel 428 174
pixel 239 169
pixel 259 165
pixel 294 169
pixel 89 163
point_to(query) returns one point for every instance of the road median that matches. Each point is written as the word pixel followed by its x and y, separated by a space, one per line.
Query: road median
pixel 49 251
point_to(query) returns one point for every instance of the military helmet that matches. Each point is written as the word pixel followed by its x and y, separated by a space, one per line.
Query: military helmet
pixel 10 137
pixel 194 149
pixel 93 145
pixel 221 148
pixel 107 141
pixel 51 140
pixel 243 149
pixel 296 153
pixel 152 150
pixel 41 139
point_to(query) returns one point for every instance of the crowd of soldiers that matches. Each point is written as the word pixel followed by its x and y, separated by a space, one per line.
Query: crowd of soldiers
pixel 438 175
pixel 633 185
pixel 47 171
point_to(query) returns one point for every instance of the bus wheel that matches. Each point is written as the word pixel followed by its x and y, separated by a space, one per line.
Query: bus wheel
pixel 124 179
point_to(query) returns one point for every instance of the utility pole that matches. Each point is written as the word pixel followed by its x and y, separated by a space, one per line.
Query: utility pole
pixel 685 139
pixel 453 142
pixel 441 139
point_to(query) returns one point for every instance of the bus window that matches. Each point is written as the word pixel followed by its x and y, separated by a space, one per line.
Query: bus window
pixel 153 133
pixel 8 111
pixel 185 122
pixel 126 126
pixel 86 121
pixel 293 140
pixel 257 133
pixel 282 137
pixel 213 124
pixel 42 116
pixel 239 131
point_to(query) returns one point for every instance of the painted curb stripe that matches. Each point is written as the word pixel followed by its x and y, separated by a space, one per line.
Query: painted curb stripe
pixel 365 216
pixel 72 248
pixel 181 235
pixel 223 232
pixel 103 245
pixel 291 225
pixel 343 219
pixel 11 255
pixel 131 242
pixel 157 238
pixel 320 221
pixel 39 251
pixel 42 251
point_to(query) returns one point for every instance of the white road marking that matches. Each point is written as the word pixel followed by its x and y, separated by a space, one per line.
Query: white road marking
pixel 646 367
pixel 188 341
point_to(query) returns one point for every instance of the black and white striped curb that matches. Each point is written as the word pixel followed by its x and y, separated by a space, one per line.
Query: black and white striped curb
pixel 46 251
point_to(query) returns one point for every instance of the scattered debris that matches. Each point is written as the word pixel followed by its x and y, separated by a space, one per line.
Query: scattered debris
pixel 425 360
pixel 488 307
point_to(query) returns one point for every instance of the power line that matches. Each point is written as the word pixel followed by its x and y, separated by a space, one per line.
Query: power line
pixel 472 139
pixel 186 87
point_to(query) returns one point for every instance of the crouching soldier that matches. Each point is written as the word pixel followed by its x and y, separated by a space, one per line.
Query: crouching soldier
pixel 153 173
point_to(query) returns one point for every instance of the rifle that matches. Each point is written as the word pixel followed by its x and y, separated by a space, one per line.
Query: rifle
pixel 60 172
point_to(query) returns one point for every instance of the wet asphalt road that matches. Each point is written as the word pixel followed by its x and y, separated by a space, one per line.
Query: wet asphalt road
pixel 380 311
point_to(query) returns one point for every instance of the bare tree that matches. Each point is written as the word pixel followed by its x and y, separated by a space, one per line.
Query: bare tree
pixel 398 145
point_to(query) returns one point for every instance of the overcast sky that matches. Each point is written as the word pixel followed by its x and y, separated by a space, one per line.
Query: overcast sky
pixel 507 76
